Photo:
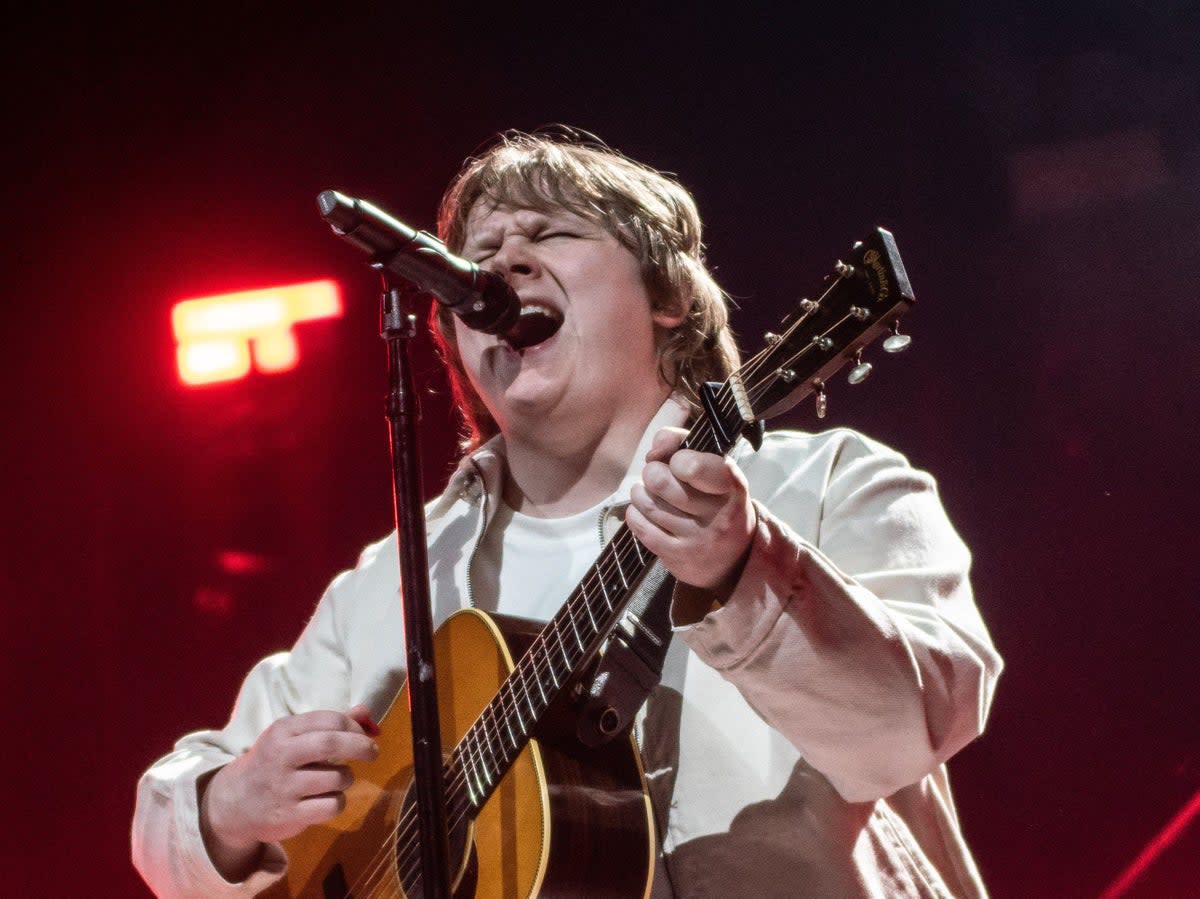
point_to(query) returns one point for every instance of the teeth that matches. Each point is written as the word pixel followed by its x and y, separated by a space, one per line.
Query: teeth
pixel 538 322
pixel 538 309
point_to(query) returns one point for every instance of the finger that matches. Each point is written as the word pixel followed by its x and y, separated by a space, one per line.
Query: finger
pixel 660 513
pixel 361 715
pixel 661 483
pixel 319 809
pixel 707 473
pixel 317 780
pixel 666 441
pixel 330 747
pixel 321 720
pixel 660 542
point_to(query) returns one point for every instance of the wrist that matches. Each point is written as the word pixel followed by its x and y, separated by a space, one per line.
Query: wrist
pixel 234 856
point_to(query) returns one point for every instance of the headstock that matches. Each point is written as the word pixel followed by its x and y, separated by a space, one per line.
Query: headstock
pixel 863 297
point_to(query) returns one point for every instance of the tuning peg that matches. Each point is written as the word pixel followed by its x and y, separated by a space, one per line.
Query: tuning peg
pixel 822 402
pixel 861 369
pixel 898 342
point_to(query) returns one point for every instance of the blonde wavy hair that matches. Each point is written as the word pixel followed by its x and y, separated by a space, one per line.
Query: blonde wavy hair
pixel 649 212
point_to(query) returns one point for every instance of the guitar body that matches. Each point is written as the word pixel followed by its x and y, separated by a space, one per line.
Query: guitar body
pixel 564 821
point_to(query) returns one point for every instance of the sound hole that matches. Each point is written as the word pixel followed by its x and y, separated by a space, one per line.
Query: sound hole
pixel 334 885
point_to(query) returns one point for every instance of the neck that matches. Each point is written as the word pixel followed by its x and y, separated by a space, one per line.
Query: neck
pixel 557 471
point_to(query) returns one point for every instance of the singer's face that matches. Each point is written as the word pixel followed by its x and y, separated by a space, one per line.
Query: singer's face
pixel 601 363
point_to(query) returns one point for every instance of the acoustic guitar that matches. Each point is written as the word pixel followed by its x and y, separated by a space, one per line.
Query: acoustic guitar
pixel 531 810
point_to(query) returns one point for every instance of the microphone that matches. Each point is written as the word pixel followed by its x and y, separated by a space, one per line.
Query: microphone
pixel 483 300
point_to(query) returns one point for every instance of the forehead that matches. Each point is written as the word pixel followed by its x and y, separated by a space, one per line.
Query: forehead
pixel 488 219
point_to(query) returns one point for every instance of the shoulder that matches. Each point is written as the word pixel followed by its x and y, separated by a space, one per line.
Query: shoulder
pixel 835 441
pixel 830 469
pixel 788 454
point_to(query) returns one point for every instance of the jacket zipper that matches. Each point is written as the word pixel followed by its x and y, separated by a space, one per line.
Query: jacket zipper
pixel 483 523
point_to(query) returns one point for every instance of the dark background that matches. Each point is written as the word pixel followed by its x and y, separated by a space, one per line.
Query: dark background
pixel 1039 166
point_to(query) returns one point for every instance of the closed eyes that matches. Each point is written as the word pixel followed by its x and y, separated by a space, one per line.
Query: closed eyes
pixel 483 254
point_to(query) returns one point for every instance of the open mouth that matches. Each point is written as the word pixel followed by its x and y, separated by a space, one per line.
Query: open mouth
pixel 536 324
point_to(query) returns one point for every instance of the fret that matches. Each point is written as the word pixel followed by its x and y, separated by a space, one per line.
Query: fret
pixel 487 726
pixel 483 737
pixel 466 779
pixel 465 764
pixel 569 610
pixel 475 787
pixel 637 548
pixel 604 594
pixel 696 434
pixel 523 670
pixel 562 647
pixel 459 795
pixel 621 570
pixel 516 706
pixel 511 736
pixel 541 638
pixel 483 774
pixel 537 679
pixel 587 605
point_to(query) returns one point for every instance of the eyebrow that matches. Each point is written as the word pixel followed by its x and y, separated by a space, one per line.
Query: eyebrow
pixel 489 237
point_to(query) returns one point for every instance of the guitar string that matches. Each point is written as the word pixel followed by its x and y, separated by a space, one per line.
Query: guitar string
pixel 726 405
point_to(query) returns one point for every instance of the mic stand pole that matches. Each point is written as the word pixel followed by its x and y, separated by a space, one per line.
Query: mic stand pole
pixel 398 326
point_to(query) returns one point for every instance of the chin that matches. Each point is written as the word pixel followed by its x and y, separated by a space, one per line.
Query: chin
pixel 524 399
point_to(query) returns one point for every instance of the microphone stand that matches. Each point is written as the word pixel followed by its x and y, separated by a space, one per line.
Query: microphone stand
pixel 397 327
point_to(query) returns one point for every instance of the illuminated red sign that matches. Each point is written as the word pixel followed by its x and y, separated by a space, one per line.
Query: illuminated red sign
pixel 220 337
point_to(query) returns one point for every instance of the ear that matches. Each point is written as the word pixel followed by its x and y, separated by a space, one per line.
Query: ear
pixel 673 315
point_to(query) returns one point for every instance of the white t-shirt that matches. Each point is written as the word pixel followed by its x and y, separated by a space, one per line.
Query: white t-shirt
pixel 543 560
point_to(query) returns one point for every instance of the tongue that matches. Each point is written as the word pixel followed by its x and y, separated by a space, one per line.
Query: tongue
pixel 531 330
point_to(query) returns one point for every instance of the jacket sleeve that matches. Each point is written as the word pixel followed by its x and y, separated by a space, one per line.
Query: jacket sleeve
pixel 860 640
pixel 168 849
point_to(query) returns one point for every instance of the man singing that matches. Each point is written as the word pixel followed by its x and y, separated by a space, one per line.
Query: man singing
pixel 828 656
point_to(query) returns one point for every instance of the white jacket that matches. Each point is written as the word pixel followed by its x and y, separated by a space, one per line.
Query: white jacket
pixel 796 744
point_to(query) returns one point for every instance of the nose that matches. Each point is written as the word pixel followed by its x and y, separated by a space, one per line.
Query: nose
pixel 513 259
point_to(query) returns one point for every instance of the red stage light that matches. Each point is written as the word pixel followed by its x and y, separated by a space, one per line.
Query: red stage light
pixel 219 335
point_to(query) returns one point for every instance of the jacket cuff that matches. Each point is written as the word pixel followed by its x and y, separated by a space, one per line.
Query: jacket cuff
pixel 202 875
pixel 734 629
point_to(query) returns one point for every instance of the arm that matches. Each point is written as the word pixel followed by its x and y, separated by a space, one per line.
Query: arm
pixel 209 814
pixel 849 625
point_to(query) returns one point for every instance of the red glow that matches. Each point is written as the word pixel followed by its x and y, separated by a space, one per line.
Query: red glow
pixel 276 351
pixel 206 361
pixel 239 562
pixel 217 334
pixel 1152 850
pixel 213 601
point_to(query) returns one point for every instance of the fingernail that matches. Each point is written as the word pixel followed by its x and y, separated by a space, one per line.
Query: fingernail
pixel 368 725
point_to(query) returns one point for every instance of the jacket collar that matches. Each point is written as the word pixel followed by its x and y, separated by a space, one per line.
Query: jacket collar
pixel 480 474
